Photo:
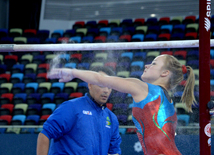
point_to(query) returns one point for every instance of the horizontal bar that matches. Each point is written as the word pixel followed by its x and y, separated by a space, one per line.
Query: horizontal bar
pixel 102 46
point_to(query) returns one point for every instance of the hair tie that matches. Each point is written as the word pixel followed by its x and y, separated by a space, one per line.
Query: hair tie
pixel 184 69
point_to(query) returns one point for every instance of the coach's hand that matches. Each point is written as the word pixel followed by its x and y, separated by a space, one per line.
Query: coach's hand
pixel 63 74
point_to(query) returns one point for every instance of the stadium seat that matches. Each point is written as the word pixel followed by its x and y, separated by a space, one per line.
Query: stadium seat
pixel 70 87
pixel 33 98
pixel 90 24
pixel 163 21
pixel 164 37
pixel 78 24
pixel 114 23
pixel 128 31
pixel 100 39
pixel 30 68
pixel 18 120
pixel 20 40
pixel 150 37
pixel 176 20
pixel 19 98
pixel 151 21
pixel 44 87
pixel 48 108
pixel 92 32
pixel 5 77
pixel 7 118
pixel 15 32
pixel 16 78
pixel 8 106
pixel 193 27
pixel 191 36
pixel 126 23
pixel 42 119
pixel 31 87
pixel 180 54
pixel 57 33
pixel 104 31
pixel 20 109
pixel 70 65
pixel 10 60
pixel 17 68
pixel 18 88
pixel 109 106
pixel 29 33
pixel 138 22
pixel 75 39
pixel 41 77
pixel 57 87
pixel 102 23
pixel 6 88
pixel 38 59
pixel 47 98
pixel 32 120
pixel 69 33
pixel 29 78
pixel 3 32
pixel 75 95
pixel 34 109
pixel 189 19
pixel 137 37
pixel 3 68
pixel 183 119
pixel 116 31
pixel 60 97
pixel 43 68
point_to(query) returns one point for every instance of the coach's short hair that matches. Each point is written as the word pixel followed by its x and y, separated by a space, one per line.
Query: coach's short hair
pixel 104 69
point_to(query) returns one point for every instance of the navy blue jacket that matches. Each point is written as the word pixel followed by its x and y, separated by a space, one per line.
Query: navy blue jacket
pixel 81 127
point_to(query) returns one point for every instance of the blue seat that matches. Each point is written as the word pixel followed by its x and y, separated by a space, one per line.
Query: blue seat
pixel 128 30
pixel 39 58
pixel 16 77
pixel 65 96
pixel 127 54
pixel 51 40
pixel 136 74
pixel 180 28
pixel 64 56
pixel 75 39
pixel 126 23
pixel 183 117
pixel 87 39
pixel 18 88
pixel 18 68
pixel 51 106
pixel 20 118
pixel 137 37
pixel 153 29
pixel 22 96
pixel 33 98
pixel 57 87
pixel 112 38
pixel 140 54
pixel 6 40
pixel 29 77
pixel 32 85
pixel 34 109
pixel 3 32
pixel 116 31
pixel 70 65
pixel 177 36
pixel 150 37
pixel 93 32
pixel 33 41
pixel 106 30
pixel 47 98
pixel 57 33
pixel 138 63
pixel 34 118
pixel 122 131
pixel 43 34
pixel 193 63
pixel 83 65
pixel 212 53
pixel 166 28
pixel 151 21
pixel 3 68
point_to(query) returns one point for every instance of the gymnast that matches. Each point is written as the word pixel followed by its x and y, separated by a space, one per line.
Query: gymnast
pixel 153 110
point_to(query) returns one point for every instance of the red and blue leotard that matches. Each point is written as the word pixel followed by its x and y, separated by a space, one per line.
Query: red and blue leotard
pixel 156 120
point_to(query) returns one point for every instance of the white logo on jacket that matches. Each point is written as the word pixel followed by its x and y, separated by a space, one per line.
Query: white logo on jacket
pixel 87 112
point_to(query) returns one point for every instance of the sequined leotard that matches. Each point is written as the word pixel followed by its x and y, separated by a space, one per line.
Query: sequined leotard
pixel 156 121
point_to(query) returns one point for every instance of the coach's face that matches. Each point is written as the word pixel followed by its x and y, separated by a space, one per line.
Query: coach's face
pixel 99 94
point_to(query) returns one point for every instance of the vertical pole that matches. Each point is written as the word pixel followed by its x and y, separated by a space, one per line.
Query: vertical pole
pixel 204 76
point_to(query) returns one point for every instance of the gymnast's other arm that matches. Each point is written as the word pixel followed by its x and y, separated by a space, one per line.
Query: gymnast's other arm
pixel 42 144
pixel 135 87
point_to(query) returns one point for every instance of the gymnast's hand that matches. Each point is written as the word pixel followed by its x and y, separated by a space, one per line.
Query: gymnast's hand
pixel 63 74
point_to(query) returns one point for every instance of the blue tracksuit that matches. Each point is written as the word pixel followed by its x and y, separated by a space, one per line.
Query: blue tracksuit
pixel 81 127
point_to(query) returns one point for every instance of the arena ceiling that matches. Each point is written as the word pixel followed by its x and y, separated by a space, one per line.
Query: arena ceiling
pixel 118 9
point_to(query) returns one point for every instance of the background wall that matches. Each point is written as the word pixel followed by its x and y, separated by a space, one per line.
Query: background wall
pixel 25 144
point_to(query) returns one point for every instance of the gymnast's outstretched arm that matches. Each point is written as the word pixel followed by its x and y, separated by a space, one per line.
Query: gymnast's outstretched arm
pixel 133 86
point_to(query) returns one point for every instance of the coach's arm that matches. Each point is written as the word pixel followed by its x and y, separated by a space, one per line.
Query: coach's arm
pixel 42 144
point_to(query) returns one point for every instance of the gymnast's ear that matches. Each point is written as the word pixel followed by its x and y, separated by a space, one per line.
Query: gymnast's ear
pixel 165 73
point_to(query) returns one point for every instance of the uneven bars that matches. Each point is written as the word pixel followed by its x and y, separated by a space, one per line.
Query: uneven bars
pixel 101 46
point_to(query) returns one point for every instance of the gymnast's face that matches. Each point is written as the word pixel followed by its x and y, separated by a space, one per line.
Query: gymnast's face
pixel 99 94
pixel 154 70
